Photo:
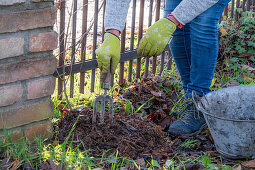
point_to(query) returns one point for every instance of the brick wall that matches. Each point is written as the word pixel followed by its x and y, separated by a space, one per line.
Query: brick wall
pixel 26 66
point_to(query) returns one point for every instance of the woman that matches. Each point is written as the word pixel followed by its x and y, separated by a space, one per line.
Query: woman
pixel 192 24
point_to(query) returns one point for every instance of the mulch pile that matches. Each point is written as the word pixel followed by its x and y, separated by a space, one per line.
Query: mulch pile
pixel 133 136
pixel 155 98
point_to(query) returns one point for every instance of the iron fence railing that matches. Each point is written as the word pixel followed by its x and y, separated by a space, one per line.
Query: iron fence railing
pixel 126 56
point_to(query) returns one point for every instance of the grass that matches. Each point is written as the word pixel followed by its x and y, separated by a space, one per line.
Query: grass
pixel 73 158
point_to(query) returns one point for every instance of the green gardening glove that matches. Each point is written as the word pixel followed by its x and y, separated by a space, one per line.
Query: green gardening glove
pixel 108 52
pixel 156 38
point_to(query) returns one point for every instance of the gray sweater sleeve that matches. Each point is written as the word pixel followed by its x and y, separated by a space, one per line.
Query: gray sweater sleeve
pixel 187 10
pixel 115 14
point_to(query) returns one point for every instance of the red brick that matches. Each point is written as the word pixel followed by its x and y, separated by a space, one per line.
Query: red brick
pixel 42 129
pixel 14 134
pixel 25 20
pixel 11 2
pixel 27 114
pixel 11 47
pixel 41 87
pixel 43 41
pixel 29 68
pixel 10 94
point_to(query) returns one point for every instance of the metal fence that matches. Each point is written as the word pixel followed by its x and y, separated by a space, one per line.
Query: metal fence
pixel 126 56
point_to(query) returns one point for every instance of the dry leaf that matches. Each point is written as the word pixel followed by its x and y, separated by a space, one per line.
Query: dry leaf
pixel 249 164
pixel 165 122
pixel 239 167
pixel 61 106
pixel 55 143
pixel 14 165
pixel 248 79
pixel 141 161
pixel 246 55
pixel 196 166
pixel 233 83
pixel 249 68
pixel 157 94
pixel 213 82
pixel 223 31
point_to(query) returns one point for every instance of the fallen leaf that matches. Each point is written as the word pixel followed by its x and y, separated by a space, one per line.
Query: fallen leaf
pixel 157 94
pixel 128 166
pixel 61 106
pixel 58 4
pixel 239 167
pixel 168 163
pixel 63 112
pixel 211 151
pixel 14 165
pixel 219 164
pixel 44 165
pixel 249 68
pixel 164 106
pixel 197 166
pixel 5 163
pixel 27 166
pixel 98 169
pixel 249 164
pixel 232 83
pixel 223 31
pixel 248 79
pixel 55 143
pixel 141 162
pixel 213 82
pixel 52 165
pixel 246 55
pixel 155 163
pixel 167 121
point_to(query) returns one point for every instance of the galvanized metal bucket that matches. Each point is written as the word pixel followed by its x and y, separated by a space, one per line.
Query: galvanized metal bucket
pixel 230 116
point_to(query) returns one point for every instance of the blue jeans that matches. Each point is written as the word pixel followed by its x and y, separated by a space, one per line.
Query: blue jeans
pixel 195 48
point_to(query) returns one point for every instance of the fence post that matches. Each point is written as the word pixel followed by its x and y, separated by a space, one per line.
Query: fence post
pixel 154 59
pixel 237 6
pixel 140 34
pixel 147 60
pixel 232 8
pixel 248 5
pixel 93 73
pixel 226 11
pixel 73 45
pixel 130 68
pixel 122 50
pixel 84 41
pixel 243 5
pixel 253 4
pixel 61 47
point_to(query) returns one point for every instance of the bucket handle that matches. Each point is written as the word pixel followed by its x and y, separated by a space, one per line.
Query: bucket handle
pixel 199 108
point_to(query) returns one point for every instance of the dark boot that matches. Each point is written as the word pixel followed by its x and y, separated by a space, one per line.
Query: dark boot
pixel 191 122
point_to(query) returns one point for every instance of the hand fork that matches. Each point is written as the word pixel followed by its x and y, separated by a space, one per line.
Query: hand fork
pixel 102 99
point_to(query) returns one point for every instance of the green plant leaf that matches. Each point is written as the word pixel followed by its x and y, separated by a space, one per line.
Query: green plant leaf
pixel 155 163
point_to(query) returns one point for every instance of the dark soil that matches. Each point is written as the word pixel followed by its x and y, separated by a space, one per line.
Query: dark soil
pixel 139 135
pixel 133 136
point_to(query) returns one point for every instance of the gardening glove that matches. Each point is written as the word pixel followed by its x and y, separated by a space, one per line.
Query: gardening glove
pixel 156 38
pixel 108 55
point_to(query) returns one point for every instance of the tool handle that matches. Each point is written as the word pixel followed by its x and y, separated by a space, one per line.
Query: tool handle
pixel 108 76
